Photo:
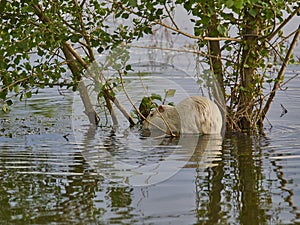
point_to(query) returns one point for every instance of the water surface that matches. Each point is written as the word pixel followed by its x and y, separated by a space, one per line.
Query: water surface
pixel 52 174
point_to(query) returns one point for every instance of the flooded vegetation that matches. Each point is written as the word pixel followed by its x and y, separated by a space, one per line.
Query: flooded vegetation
pixel 80 157
pixel 55 171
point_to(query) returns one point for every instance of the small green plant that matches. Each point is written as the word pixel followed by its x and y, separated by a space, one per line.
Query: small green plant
pixel 149 103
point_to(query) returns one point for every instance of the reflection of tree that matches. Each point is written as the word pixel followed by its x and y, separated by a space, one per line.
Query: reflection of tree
pixel 117 198
pixel 250 175
pixel 235 187
pixel 36 196
pixel 209 187
pixel 287 192
pixel 120 197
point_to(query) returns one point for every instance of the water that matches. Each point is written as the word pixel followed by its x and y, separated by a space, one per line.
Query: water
pixel 52 175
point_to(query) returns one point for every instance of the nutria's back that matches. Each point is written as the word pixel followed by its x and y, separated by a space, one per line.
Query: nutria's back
pixel 194 114
pixel 199 115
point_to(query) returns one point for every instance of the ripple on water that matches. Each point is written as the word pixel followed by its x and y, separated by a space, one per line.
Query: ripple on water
pixel 39 154
pixel 284 155
pixel 285 143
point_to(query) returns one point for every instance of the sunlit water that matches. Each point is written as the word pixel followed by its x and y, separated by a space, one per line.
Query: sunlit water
pixel 56 170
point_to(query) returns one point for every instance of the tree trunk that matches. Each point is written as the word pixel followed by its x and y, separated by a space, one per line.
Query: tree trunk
pixel 215 55
pixel 216 65
pixel 83 92
pixel 247 91
pixel 89 109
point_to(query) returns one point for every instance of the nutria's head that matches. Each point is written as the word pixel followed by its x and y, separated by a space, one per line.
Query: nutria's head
pixel 164 119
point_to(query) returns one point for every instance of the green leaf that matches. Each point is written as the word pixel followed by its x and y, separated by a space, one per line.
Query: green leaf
pixel 229 3
pixel 2 5
pixel 222 30
pixel 252 12
pixel 3 94
pixel 238 4
pixel 170 93
pixel 125 15
pixel 128 67
pixel 100 49
pixel 9 102
pixel 28 94
pixel 5 108
pixel 156 97
pixel 40 52
pixel 132 3
pixel 27 66
pixel 75 38
pixel 16 89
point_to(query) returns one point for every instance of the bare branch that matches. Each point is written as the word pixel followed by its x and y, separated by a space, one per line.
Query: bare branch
pixel 196 37
pixel 179 31
pixel 280 74
pixel 171 17
pixel 287 81
pixel 178 50
pixel 76 55
pixel 297 10
pixel 85 35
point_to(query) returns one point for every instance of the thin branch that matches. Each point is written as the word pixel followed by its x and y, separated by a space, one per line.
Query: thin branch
pixel 284 39
pixel 280 74
pixel 68 25
pixel 120 107
pixel 293 77
pixel 127 95
pixel 110 108
pixel 106 90
pixel 179 31
pixel 138 111
pixel 16 82
pixel 275 50
pixel 171 17
pixel 178 50
pixel 297 10
pixel 25 78
pixel 85 35
pixel 82 3
pixel 76 55
pixel 196 37
pixel 70 53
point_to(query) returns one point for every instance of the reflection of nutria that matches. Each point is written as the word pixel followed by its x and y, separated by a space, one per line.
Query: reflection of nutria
pixel 195 114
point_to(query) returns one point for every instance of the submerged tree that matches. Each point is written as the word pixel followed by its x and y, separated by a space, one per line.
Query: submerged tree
pixel 41 40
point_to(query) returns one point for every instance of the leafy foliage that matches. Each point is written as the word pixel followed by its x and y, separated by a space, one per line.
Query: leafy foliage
pixel 242 38
pixel 48 43
pixel 148 103
pixel 34 33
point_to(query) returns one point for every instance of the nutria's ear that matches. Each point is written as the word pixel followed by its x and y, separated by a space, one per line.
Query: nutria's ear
pixel 161 109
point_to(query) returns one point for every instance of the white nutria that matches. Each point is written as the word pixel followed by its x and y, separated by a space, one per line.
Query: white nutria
pixel 194 114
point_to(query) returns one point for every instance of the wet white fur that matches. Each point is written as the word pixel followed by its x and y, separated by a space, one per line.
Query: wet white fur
pixel 194 114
